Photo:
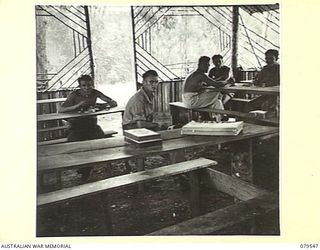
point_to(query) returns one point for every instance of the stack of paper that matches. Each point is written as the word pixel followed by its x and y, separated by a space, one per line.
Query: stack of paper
pixel 212 128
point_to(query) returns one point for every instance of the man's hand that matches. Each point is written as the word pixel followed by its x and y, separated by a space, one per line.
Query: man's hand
pixel 112 104
pixel 82 103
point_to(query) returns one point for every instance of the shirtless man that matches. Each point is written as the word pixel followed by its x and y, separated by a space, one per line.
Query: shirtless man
pixel 85 128
pixel 193 93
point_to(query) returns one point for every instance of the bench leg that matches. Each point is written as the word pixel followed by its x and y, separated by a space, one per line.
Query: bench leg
pixel 40 181
pixel 105 211
pixel 195 193
pixel 58 178
pixel 108 169
pixel 252 226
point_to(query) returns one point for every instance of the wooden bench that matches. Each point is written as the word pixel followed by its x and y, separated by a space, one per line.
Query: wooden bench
pixel 107 133
pixel 175 108
pixel 254 202
pixel 123 180
pixel 42 130
pixel 130 179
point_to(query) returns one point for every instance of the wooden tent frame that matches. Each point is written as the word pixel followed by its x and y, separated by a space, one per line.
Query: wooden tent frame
pixel 144 60
pixel 75 18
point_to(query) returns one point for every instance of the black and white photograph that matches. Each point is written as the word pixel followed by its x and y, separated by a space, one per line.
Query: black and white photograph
pixel 157 120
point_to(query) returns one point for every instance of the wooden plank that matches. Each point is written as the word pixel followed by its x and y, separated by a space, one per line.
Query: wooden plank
pixel 223 218
pixel 232 186
pixel 51 142
pixel 65 140
pixel 59 116
pixel 53 100
pixel 52 129
pixel 273 90
pixel 245 116
pixel 45 149
pixel 48 163
pixel 123 180
pixel 242 100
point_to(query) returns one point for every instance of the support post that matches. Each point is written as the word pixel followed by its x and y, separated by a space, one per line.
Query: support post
pixel 235 36
pixel 134 47
pixel 86 12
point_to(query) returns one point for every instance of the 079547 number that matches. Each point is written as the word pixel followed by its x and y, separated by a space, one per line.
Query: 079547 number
pixel 309 246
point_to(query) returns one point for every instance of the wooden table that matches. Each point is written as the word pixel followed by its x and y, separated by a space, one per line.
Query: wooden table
pixel 74 155
pixel 243 88
pixel 65 116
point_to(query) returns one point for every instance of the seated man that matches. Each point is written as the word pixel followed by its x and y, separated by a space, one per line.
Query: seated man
pixel 269 76
pixel 139 109
pixel 85 128
pixel 193 93
pixel 221 73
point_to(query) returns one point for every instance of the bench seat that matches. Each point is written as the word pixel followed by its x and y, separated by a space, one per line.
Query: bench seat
pixel 244 116
pixel 123 180
pixel 107 133
pixel 223 218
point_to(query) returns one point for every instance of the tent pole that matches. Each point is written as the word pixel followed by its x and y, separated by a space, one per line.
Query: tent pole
pixel 134 47
pixel 235 36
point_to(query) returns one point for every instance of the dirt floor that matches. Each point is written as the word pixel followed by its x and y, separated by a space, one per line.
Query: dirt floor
pixel 164 202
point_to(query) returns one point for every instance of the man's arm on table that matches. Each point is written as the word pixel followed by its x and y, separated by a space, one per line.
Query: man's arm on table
pixel 210 82
pixel 112 103
pixel 70 105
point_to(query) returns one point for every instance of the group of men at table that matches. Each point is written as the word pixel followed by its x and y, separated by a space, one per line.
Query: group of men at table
pixel 139 109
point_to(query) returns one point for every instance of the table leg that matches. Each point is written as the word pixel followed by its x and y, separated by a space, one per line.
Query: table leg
pixel 250 160
pixel 175 115
pixel 176 156
pixel 140 167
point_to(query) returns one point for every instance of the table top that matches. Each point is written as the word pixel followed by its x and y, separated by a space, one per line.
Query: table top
pixel 53 100
pixel 59 116
pixel 245 88
pixel 108 150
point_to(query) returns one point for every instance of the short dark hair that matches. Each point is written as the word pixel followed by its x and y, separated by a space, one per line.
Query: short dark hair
pixel 272 52
pixel 203 59
pixel 217 57
pixel 86 78
pixel 149 73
